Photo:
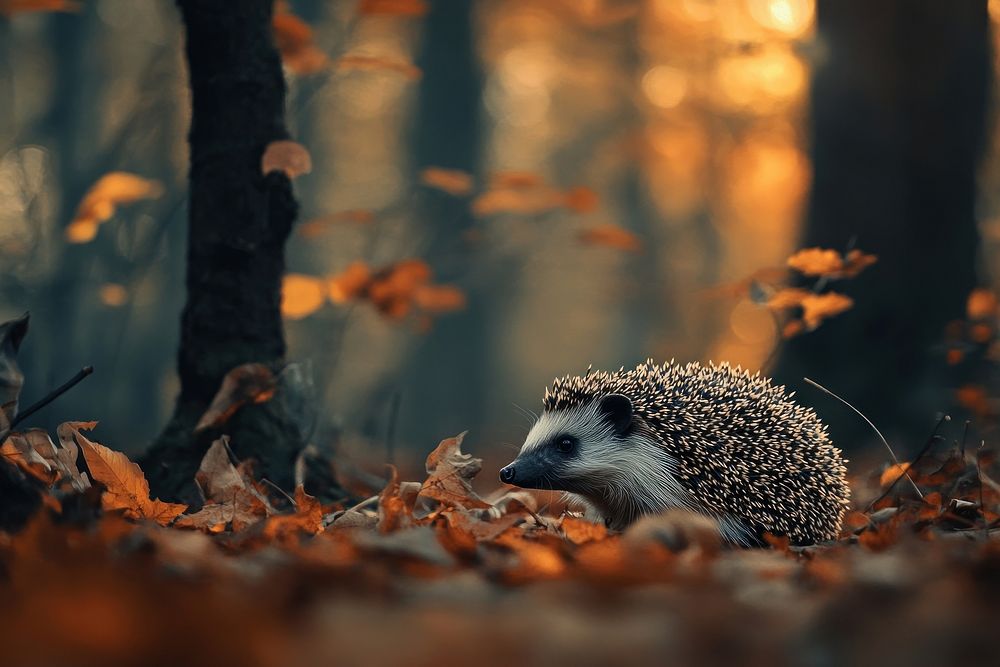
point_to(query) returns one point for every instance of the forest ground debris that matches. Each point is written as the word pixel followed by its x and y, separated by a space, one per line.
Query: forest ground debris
pixel 433 572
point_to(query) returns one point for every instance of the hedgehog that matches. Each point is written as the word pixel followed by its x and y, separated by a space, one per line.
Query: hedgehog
pixel 712 439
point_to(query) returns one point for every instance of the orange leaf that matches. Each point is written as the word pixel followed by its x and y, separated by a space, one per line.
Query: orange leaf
pixel 981 304
pixel 113 295
pixel 360 62
pixel 393 7
pixel 816 262
pixel 294 39
pixel 12 7
pixel 611 236
pixel 349 284
pixel 579 531
pixel 301 295
pixel 317 226
pixel 450 474
pixel 818 307
pixel 788 297
pixel 126 487
pixel 249 383
pixel 287 156
pixel 453 181
pixel 100 202
pixel 855 262
pixel 439 298
pixel 893 473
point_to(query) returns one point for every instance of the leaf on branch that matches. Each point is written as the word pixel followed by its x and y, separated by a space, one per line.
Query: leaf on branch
pixel 349 284
pixel 450 474
pixel 249 383
pixel 611 236
pixel 301 295
pixel 103 198
pixel 359 62
pixel 453 181
pixel 13 7
pixel 125 486
pixel 827 263
pixel 294 39
pixel 316 227
pixel 286 156
pixel 392 7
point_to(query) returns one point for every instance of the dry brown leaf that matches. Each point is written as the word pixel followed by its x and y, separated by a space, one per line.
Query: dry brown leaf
pixel 294 39
pixel 579 531
pixel 249 383
pixel 100 202
pixel 611 236
pixel 359 62
pixel 301 295
pixel 286 156
pixel 307 518
pixel 13 7
pixel 395 504
pixel 126 487
pixel 453 181
pixel 830 263
pixel 450 474
pixel 392 7
pixel 233 499
pixel 18 450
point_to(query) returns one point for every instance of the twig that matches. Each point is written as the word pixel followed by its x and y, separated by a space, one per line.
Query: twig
pixel 874 428
pixel 906 471
pixel 52 395
pixel 982 502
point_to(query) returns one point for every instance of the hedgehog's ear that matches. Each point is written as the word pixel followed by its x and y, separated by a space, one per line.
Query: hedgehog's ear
pixel 618 410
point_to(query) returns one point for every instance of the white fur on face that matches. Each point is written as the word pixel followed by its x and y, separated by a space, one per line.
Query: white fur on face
pixel 626 477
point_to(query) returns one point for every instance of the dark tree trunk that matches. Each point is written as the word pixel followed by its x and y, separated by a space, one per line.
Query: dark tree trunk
pixel 239 221
pixel 899 109
pixel 451 365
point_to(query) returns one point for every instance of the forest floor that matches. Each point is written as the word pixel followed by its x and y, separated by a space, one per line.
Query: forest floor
pixel 432 573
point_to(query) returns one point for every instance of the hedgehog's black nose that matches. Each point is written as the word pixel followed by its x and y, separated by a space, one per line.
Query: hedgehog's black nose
pixel 507 474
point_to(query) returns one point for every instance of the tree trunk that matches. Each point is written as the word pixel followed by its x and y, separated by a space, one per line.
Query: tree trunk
pixel 238 223
pixel 899 110
pixel 450 367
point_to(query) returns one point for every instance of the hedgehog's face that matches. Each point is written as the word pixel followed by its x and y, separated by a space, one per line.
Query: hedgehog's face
pixel 567 450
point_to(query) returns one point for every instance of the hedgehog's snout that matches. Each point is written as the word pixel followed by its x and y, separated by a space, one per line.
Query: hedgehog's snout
pixel 508 474
pixel 528 472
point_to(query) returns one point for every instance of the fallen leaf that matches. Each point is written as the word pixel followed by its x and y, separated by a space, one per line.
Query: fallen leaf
pixel 301 295
pixel 395 504
pixel 611 236
pixel 580 531
pixel 453 181
pixel 126 487
pixel 287 156
pixel 233 500
pixel 450 474
pixel 18 450
pixel 249 383
pixel 103 198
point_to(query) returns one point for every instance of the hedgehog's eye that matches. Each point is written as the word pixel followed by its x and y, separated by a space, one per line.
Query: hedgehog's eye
pixel 565 444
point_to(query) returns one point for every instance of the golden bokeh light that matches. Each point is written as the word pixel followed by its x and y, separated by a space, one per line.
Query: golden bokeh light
pixel 790 17
pixel 665 86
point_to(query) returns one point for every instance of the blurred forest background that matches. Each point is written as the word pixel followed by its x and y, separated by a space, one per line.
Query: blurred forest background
pixel 716 136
